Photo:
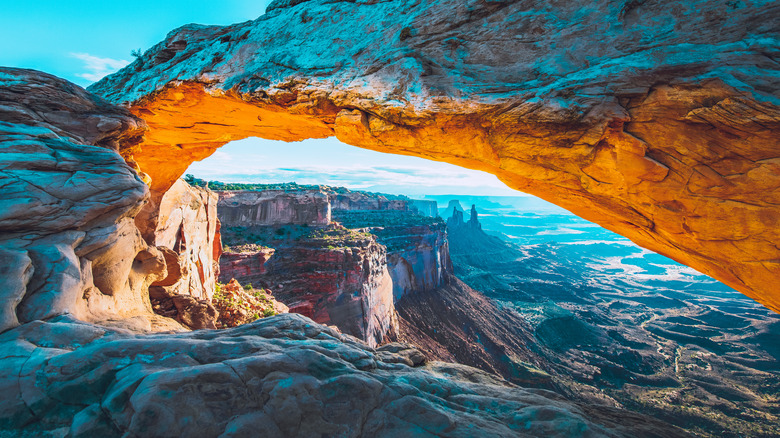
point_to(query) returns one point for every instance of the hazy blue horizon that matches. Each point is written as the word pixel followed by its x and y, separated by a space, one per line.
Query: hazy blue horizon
pixel 330 162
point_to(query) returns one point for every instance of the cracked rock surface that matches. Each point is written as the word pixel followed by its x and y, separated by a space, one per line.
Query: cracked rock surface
pixel 279 376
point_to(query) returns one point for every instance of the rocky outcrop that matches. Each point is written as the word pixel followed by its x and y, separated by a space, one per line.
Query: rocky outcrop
pixel 68 243
pixel 456 221
pixel 417 251
pixel 656 120
pixel 273 207
pixel 241 305
pixel 246 264
pixel 279 376
pixel 186 229
pixel 453 206
pixel 334 275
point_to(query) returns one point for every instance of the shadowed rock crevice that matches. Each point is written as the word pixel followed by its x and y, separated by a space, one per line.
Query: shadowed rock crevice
pixel 661 132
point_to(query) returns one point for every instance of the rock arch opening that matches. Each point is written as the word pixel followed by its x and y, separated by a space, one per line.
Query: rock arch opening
pixel 670 146
pixel 620 166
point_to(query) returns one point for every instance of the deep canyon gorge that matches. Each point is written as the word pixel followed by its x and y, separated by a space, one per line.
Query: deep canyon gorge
pixel 656 120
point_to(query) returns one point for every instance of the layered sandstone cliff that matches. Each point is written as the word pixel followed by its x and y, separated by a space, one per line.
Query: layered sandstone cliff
pixel 417 250
pixel 245 263
pixel 187 228
pixel 274 207
pixel 333 275
pixel 364 201
pixel 655 119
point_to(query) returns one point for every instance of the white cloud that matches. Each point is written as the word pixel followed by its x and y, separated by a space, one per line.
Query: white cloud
pixel 98 67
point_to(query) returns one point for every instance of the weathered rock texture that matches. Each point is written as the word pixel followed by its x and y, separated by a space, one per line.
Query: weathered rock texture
pixel 188 226
pixel 68 243
pixel 655 119
pixel 246 265
pixel 280 376
pixel 273 207
pixel 340 278
pixel 363 201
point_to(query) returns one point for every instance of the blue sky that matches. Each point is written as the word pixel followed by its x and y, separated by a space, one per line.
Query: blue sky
pixel 84 40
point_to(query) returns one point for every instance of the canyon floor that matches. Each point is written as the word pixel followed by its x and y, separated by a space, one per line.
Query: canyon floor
pixel 619 325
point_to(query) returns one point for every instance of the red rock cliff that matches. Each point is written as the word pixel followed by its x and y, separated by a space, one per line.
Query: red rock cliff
pixel 333 275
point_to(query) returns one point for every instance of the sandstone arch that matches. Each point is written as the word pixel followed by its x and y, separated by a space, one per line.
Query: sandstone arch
pixel 657 120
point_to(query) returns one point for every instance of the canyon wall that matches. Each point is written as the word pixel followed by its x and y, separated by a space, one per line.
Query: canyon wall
pixel 362 201
pixel 273 207
pixel 347 286
pixel 654 119
pixel 420 258
pixel 417 250
pixel 245 266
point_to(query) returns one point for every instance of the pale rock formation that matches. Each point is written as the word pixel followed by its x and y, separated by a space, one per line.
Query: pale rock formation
pixel 417 250
pixel 655 119
pixel 187 225
pixel 419 260
pixel 283 376
pixel 68 243
pixel 274 207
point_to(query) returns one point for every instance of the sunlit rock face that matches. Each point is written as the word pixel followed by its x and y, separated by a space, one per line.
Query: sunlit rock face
pixel 654 119
pixel 187 225
pixel 68 243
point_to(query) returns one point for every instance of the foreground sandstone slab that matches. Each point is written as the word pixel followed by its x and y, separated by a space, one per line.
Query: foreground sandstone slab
pixel 657 120
pixel 279 376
